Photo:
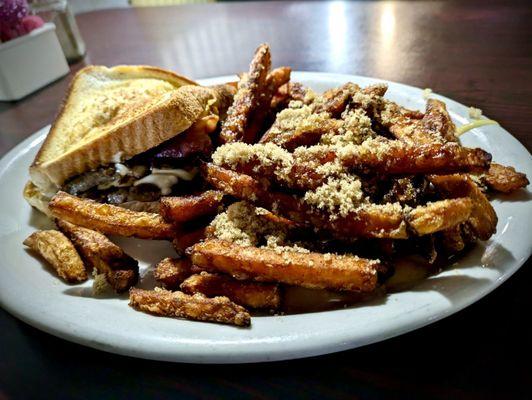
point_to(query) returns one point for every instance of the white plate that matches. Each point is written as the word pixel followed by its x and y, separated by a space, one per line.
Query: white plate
pixel 30 292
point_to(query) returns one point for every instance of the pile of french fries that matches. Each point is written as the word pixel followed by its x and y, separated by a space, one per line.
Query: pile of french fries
pixel 319 191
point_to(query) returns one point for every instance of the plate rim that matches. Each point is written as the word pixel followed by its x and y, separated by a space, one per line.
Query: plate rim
pixel 282 354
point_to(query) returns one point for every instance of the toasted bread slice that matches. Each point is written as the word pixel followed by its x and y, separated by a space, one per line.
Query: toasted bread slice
pixel 112 114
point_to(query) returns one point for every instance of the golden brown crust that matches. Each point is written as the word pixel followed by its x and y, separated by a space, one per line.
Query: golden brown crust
pixel 196 307
pixel 452 240
pixel 483 218
pixel 437 122
pixel 312 270
pixel 375 221
pixel 121 270
pixel 301 171
pixel 60 253
pixel 434 126
pixel 247 294
pixel 247 98
pixel 184 238
pixel 172 271
pixel 335 100
pixel 187 208
pixel 440 215
pixel 504 179
pixel 109 219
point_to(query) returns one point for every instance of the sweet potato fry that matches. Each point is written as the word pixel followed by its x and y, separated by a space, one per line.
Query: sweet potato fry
pixel 60 253
pixel 285 94
pixel 382 221
pixel 248 97
pixel 440 215
pixel 336 100
pixel 98 252
pixel 300 170
pixel 452 240
pixel 395 157
pixel 290 131
pixel 500 178
pixel 109 219
pixel 437 122
pixel 172 271
pixel 186 238
pixel 483 219
pixel 306 126
pixel 414 127
pixel 187 208
pixel 196 307
pixel 247 294
pixel 313 270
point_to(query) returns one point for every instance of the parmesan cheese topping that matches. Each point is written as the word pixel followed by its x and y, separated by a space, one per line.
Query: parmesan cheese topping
pixel 355 129
pixel 474 113
pixel 245 224
pixel 266 154
pixel 338 196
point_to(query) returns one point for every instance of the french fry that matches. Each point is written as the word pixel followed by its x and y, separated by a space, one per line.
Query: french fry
pixel 500 178
pixel 381 221
pixel 437 122
pixel 98 252
pixel 186 238
pixel 247 98
pixel 439 215
pixel 387 157
pixel 373 220
pixel 285 94
pixel 483 219
pixel 60 253
pixel 290 133
pixel 172 271
pixel 109 219
pixel 414 127
pixel 196 307
pixel 312 270
pixel 291 130
pixel 247 294
pixel 187 208
pixel 335 100
pixel 452 240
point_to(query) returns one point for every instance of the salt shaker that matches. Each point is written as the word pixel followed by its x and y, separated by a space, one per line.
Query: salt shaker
pixel 60 13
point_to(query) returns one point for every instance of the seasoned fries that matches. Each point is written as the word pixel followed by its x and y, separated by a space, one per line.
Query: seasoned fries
pixel 197 307
pixel 504 179
pixel 247 98
pixel 186 238
pixel 312 270
pixel 301 170
pixel 440 215
pixel 483 219
pixel 60 253
pixel 109 219
pixel 324 191
pixel 248 294
pixel 188 208
pixel 98 252
pixel 172 271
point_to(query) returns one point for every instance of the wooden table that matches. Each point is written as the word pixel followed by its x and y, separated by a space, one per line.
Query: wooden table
pixel 477 52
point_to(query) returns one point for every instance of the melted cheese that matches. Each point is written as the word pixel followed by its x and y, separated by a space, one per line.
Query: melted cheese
pixel 164 179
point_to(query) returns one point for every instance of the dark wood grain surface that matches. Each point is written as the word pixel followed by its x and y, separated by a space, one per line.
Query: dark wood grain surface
pixel 476 52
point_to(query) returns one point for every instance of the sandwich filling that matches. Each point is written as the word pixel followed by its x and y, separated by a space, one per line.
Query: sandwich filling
pixel 152 174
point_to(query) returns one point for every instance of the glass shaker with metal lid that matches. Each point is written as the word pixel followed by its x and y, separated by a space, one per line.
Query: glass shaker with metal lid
pixel 60 13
